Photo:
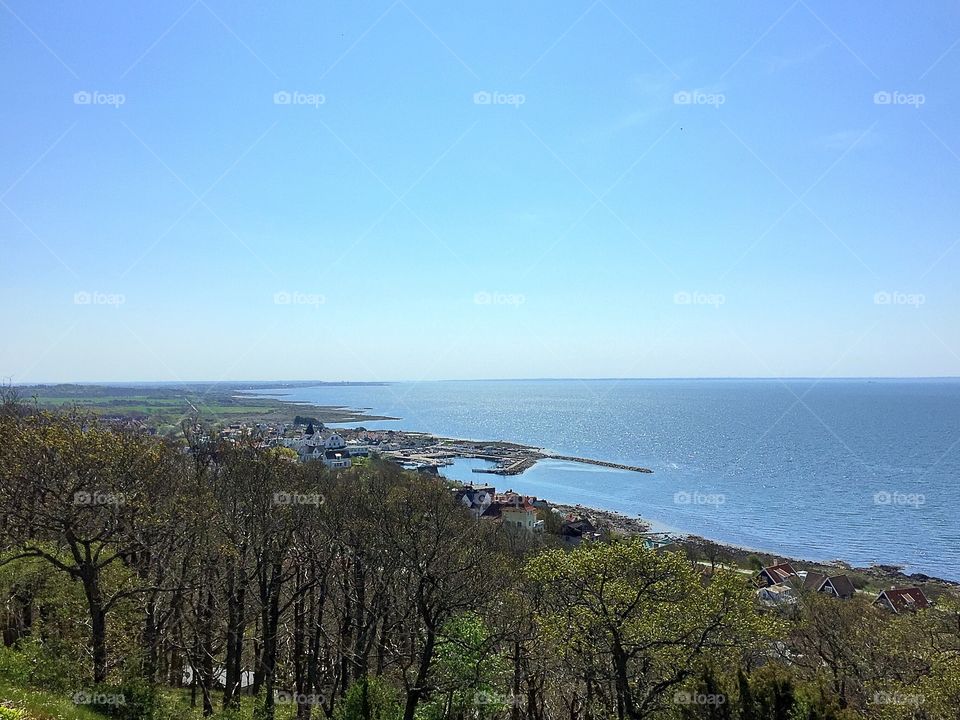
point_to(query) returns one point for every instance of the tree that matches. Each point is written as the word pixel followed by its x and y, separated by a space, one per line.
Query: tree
pixel 641 622
pixel 83 498
pixel 444 569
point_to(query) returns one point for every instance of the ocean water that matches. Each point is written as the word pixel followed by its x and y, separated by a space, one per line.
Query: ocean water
pixel 866 471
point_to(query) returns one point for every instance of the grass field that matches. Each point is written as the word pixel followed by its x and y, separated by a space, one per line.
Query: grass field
pixel 41 705
pixel 165 408
pixel 31 704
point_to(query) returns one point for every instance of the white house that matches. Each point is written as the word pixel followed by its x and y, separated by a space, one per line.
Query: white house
pixel 335 452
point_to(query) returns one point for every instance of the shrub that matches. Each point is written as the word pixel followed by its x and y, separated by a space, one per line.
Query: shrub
pixel 133 700
pixel 14 667
pixel 382 701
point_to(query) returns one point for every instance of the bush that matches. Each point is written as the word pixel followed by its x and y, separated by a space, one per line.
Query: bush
pixel 40 665
pixel 382 701
pixel 7 713
pixel 133 700
pixel 14 667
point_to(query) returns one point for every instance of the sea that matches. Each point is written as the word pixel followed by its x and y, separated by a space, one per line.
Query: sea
pixel 866 471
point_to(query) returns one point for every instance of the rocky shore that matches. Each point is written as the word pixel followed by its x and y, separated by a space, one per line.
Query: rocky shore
pixel 620 523
pixel 874 577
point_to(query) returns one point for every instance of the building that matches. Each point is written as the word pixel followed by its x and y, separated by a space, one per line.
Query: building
pixel 476 498
pixel 515 510
pixel 776 575
pixel 575 530
pixel 521 516
pixel 838 586
pixel 332 452
pixel 657 541
pixel 335 453
pixel 900 599
pixel 776 595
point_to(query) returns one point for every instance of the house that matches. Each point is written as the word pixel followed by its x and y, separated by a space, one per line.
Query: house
pixel 476 498
pixel 309 451
pixel 778 594
pixel 775 575
pixel 657 541
pixel 514 510
pixel 335 453
pixel 522 514
pixel 900 599
pixel 574 531
pixel 310 446
pixel 332 452
pixel 838 586
pixel 813 581
pixel 493 512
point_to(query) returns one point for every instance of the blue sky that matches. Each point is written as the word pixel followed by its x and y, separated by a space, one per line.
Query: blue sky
pixel 424 190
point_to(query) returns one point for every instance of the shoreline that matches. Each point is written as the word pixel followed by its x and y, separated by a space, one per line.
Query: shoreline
pixel 627 523
pixel 739 556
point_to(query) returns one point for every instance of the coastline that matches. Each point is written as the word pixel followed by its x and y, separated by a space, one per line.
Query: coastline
pixel 629 524
pixel 739 557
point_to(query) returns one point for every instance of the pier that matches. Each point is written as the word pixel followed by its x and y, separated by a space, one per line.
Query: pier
pixel 515 466
pixel 601 463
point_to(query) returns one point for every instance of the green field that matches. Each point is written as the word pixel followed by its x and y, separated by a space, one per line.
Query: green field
pixel 166 408
pixel 29 704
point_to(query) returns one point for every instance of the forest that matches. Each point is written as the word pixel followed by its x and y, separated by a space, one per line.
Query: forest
pixel 149 577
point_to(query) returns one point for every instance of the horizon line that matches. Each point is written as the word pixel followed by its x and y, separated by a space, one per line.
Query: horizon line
pixel 316 382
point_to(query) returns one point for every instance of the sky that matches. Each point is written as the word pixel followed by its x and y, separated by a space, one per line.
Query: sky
pixel 415 190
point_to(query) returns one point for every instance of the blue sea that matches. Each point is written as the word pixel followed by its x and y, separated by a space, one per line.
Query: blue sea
pixel 865 471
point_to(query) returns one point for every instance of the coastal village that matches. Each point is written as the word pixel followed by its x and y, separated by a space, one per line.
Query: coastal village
pixel 413 450
pixel 779 589
pixel 340 448
pixel 778 585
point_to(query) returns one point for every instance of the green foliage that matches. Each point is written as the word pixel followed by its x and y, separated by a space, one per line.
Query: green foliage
pixel 630 614
pixel 133 700
pixel 389 576
pixel 370 699
pixel 47 665
pixel 468 672
pixel 14 667
pixel 707 698
pixel 771 694
pixel 30 704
